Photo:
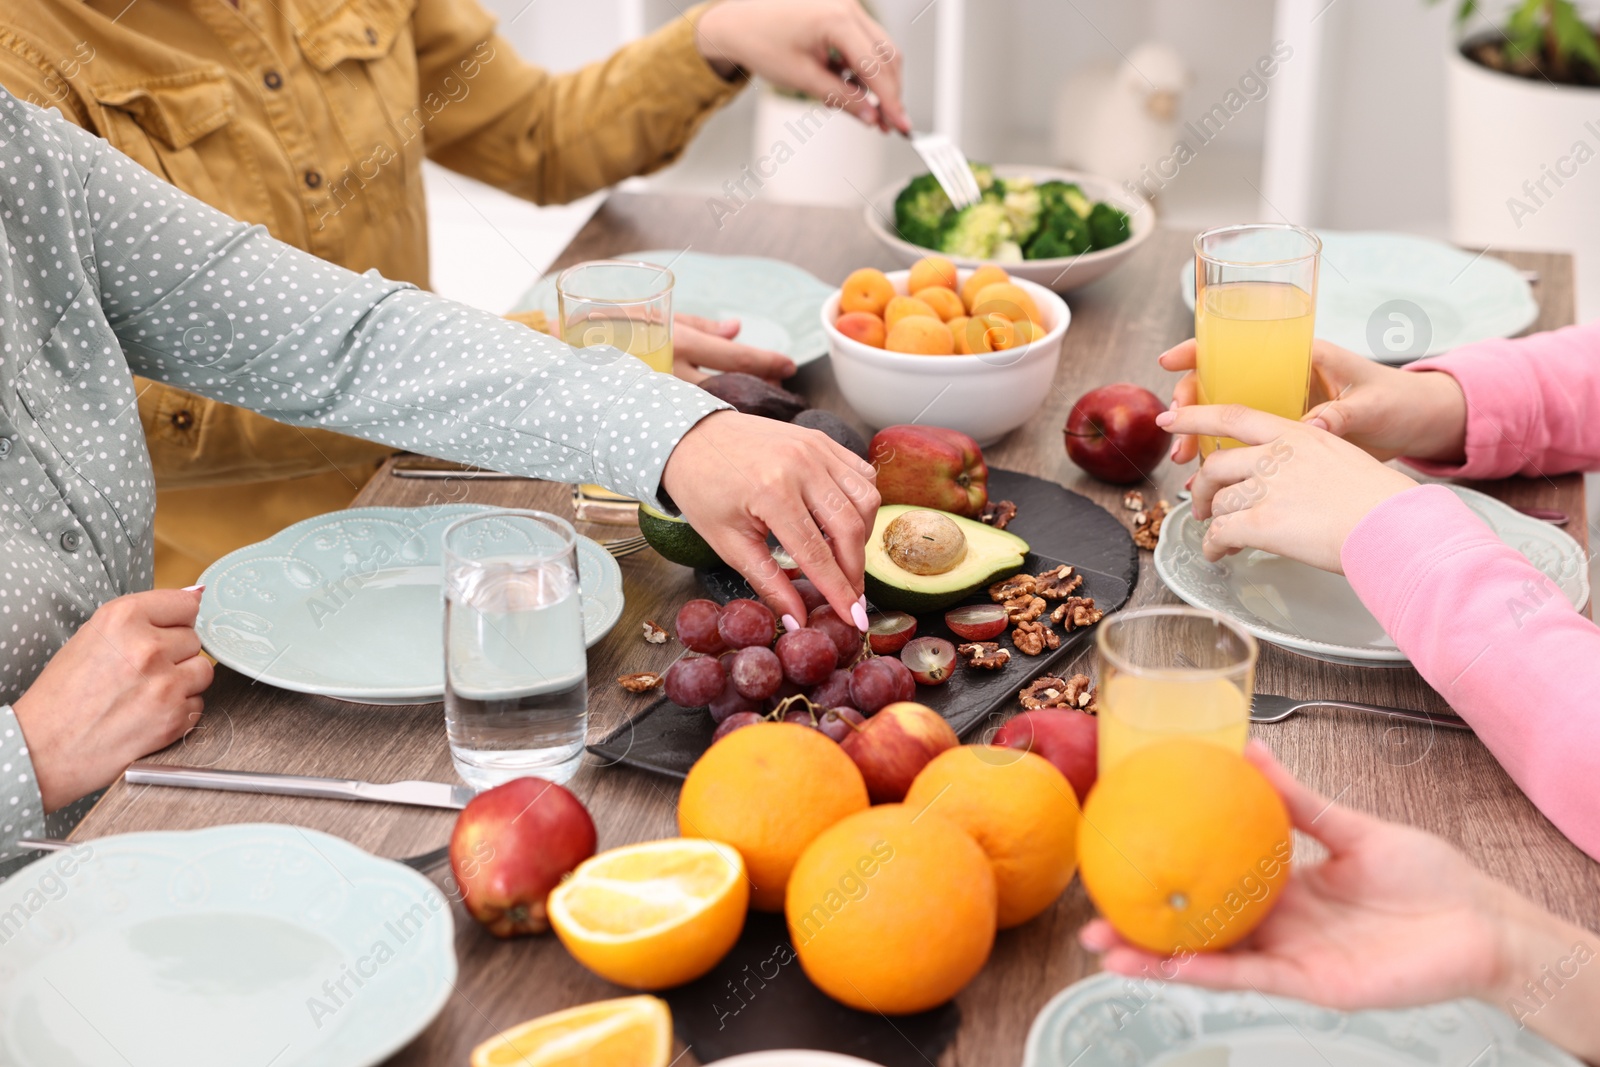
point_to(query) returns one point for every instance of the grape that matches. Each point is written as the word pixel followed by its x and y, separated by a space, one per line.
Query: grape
pixel 930 660
pixel 801 717
pixel 756 672
pixel 731 702
pixel 697 626
pixel 977 622
pixel 875 683
pixel 809 594
pixel 745 623
pixel 846 638
pixel 908 681
pixel 890 631
pixel 785 691
pixel 694 681
pixel 808 656
pixel 833 692
pixel 733 722
pixel 839 723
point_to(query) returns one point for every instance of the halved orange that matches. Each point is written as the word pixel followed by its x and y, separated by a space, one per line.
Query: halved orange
pixel 653 915
pixel 628 1032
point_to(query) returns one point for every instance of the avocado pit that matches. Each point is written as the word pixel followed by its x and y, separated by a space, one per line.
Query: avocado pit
pixel 925 542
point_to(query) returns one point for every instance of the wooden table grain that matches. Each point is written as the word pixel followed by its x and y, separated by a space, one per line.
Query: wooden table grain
pixel 1444 781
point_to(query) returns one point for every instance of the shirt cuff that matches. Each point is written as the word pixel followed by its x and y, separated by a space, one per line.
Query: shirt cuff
pixel 21 808
pixel 640 431
pixel 1492 384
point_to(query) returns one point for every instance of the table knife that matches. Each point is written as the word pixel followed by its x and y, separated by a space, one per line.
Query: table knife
pixel 421 794
pixel 1265 707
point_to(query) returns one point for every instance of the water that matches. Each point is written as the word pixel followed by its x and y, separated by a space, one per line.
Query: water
pixel 516 698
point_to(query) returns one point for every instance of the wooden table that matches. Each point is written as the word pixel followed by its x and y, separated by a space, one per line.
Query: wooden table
pixel 1445 781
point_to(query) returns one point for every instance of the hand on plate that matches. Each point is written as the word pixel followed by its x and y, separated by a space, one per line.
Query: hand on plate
pixel 736 477
pixel 790 42
pixel 1387 411
pixel 1295 490
pixel 126 684
pixel 703 343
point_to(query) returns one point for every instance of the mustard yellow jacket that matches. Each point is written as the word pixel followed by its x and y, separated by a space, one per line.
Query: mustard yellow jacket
pixel 312 118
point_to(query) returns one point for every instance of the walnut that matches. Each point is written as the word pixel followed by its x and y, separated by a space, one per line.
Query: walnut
pixel 998 513
pixel 1024 608
pixel 653 633
pixel 1133 500
pixel 985 655
pixel 1050 692
pixel 1014 586
pixel 1032 638
pixel 1077 612
pixel 1059 583
pixel 1147 525
pixel 642 682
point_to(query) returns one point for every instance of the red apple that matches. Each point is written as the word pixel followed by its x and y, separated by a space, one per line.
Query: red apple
pixel 513 844
pixel 1068 739
pixel 1111 432
pixel 930 467
pixel 894 745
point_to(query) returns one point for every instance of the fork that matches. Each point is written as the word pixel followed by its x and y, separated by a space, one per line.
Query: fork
pixel 949 167
pixel 424 861
pixel 1268 708
pixel 625 546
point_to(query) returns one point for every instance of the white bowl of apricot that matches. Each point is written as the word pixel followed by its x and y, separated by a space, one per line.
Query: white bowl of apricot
pixel 971 350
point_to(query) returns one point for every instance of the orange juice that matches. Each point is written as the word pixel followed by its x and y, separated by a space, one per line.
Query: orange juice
pixel 1254 341
pixel 1140 709
pixel 649 341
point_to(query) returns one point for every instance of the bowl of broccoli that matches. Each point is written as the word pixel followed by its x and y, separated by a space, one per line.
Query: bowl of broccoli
pixel 1059 228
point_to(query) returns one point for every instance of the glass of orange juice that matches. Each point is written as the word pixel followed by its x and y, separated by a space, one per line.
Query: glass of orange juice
pixel 628 306
pixel 1255 308
pixel 1173 671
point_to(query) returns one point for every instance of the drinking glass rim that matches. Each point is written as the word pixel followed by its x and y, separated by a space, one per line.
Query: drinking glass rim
pixel 560 526
pixel 1240 227
pixel 563 291
pixel 1246 662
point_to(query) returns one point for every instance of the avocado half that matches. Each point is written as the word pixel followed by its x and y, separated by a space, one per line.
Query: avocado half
pixel 991 555
pixel 675 539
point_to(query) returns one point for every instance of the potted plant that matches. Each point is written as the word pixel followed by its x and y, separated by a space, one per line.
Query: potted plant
pixel 1524 134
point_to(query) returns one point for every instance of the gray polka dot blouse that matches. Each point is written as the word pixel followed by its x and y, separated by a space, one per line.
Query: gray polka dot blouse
pixel 107 271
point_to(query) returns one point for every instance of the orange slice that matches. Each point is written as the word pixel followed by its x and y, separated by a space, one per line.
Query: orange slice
pixel 630 1032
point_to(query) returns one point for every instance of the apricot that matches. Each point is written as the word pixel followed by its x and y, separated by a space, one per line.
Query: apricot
pixel 988 333
pixel 862 326
pixel 867 289
pixel 1008 299
pixel 905 307
pixel 958 333
pixel 944 302
pixel 985 275
pixel 921 335
pixel 930 271
pixel 1027 332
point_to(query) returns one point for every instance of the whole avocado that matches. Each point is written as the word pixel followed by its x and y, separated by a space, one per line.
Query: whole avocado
pixel 754 396
pixel 842 433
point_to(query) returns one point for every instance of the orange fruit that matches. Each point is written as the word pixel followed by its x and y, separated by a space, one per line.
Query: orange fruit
pixel 921 335
pixel 768 790
pixel 892 910
pixel 944 302
pixel 653 915
pixel 862 326
pixel 958 334
pixel 1008 299
pixel 901 308
pixel 985 275
pixel 627 1032
pixel 1019 809
pixel 931 271
pixel 1184 846
pixel 866 290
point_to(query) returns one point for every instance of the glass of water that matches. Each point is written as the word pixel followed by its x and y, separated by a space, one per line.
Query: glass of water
pixel 515 691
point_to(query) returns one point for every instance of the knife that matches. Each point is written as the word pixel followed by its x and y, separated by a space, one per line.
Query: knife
pixel 420 794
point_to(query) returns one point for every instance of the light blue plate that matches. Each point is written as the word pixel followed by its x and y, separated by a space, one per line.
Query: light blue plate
pixel 249 944
pixel 778 305
pixel 348 604
pixel 1110 1021
pixel 1398 298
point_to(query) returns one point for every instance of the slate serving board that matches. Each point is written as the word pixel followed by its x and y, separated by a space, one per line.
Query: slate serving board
pixel 1059 525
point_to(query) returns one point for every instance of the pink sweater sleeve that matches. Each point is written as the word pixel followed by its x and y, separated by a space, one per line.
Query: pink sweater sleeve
pixel 1533 404
pixel 1494 636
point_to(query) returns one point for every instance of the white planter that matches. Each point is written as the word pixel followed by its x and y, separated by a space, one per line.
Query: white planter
pixel 806 154
pixel 1525 168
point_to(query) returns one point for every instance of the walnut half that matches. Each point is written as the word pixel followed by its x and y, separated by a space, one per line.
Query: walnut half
pixel 1032 638
pixel 1012 587
pixel 1024 607
pixel 642 682
pixel 1059 583
pixel 1147 525
pixel 653 633
pixel 984 655
pixel 1050 692
pixel 998 513
pixel 1076 612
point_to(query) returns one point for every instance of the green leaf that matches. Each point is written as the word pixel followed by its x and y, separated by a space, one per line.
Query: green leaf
pixel 1572 36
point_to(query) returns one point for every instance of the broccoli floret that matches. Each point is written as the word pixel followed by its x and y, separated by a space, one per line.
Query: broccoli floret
pixel 986 179
pixel 1061 234
pixel 1107 226
pixel 919 211
pixel 1059 196
pixel 977 231
pixel 1023 207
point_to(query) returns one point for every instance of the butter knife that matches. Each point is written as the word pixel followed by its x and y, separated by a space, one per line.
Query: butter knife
pixel 420 794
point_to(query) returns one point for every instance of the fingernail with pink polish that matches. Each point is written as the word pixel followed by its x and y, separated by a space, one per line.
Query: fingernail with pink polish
pixel 858 615
pixel 193 589
pixel 789 624
pixel 1317 422
pixel 1166 418
pixel 1174 456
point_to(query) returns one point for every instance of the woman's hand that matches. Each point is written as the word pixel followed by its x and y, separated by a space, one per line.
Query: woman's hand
pixel 1388 412
pixel 791 43
pixel 702 343
pixel 1296 491
pixel 736 477
pixel 126 684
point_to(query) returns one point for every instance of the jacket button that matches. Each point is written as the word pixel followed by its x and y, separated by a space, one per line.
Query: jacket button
pixel 5 447
pixel 70 540
pixel 372 35
pixel 313 179
pixel 182 419
pixel 272 80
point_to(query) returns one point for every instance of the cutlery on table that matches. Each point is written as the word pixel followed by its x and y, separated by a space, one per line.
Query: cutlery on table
pixel 948 164
pixel 422 861
pixel 1550 515
pixel 625 546
pixel 454 472
pixel 1265 707
pixel 420 794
